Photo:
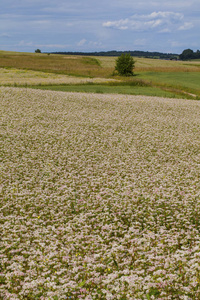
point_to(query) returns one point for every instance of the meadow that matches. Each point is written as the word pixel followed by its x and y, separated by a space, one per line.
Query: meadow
pixel 152 77
pixel 100 196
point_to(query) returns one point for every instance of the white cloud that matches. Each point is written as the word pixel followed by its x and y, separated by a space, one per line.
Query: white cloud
pixel 81 42
pixel 121 24
pixel 186 26
pixel 159 21
pixel 31 44
pixel 164 30
pixel 93 44
pixel 57 46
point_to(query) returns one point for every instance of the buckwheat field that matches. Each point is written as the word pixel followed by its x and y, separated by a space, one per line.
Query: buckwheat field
pixel 101 196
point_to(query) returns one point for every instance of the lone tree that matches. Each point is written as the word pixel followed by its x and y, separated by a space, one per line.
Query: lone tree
pixel 125 65
pixel 37 51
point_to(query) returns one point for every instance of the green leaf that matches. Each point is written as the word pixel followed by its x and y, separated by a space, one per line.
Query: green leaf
pixel 82 283
pixel 116 264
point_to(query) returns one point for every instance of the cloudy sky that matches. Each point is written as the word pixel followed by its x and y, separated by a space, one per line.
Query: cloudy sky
pixel 90 25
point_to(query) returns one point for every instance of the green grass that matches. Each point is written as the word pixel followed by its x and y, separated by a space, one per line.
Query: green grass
pixel 184 80
pixel 113 89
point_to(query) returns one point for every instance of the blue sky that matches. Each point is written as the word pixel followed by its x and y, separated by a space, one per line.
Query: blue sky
pixel 89 25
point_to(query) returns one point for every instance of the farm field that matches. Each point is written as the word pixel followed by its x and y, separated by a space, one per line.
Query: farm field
pixel 100 196
pixel 112 88
pixel 21 77
pixel 153 76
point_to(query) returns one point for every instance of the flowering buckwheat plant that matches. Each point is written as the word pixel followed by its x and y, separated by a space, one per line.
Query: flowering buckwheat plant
pixel 101 196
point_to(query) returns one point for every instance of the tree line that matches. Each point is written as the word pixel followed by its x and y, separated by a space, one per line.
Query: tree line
pixel 146 54
pixel 189 54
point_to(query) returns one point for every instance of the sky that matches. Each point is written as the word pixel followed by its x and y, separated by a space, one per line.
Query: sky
pixel 89 25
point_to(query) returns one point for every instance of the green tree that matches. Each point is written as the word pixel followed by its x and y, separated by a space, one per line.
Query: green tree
pixel 37 51
pixel 125 65
pixel 187 54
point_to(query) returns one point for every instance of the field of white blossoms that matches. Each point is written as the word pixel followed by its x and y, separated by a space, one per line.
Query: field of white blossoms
pixel 101 196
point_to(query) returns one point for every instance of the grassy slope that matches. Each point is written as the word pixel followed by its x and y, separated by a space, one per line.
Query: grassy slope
pixel 59 64
pixel 165 78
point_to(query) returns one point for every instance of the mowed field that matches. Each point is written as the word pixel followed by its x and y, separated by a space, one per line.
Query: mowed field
pixel 100 196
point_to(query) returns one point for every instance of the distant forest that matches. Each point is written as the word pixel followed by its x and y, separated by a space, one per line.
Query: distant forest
pixel 118 53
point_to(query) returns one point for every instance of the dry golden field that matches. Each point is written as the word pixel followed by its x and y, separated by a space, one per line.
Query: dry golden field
pixel 11 76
